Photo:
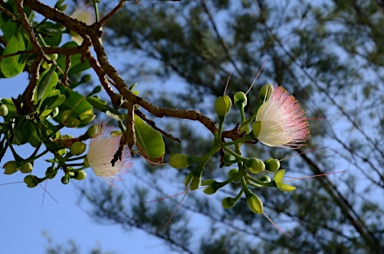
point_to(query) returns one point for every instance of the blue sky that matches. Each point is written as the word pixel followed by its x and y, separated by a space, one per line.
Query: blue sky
pixel 25 215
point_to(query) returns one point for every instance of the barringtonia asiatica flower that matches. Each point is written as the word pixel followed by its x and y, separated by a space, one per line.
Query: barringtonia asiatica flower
pixel 85 15
pixel 102 150
pixel 280 121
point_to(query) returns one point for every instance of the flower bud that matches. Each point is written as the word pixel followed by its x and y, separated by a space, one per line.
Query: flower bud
pixel 26 168
pixel 50 173
pixel 179 160
pixel 265 92
pixel 228 202
pixel 265 179
pixel 195 183
pixel 223 105
pixel 31 181
pixel 78 148
pixel 229 159
pixel 212 186
pixel 240 99
pixel 65 179
pixel 80 175
pixel 255 165
pixel 272 164
pixel 254 203
pixel 10 167
pixel 87 116
pixel 94 130
pixel 256 127
pixel 3 110
pixel 233 172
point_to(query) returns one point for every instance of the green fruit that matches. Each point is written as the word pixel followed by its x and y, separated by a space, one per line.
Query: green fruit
pixel 26 168
pixel 222 105
pixel 78 148
pixel 3 110
pixel 10 167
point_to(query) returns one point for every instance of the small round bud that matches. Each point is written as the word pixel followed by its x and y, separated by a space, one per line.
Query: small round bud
pixel 3 110
pixel 179 160
pixel 265 179
pixel 212 186
pixel 254 203
pixel 233 172
pixel 255 165
pixel 265 92
pixel 272 164
pixel 94 130
pixel 10 167
pixel 223 105
pixel 210 190
pixel 86 78
pixel 31 181
pixel 80 175
pixel 229 159
pixel 228 202
pixel 78 148
pixel 65 179
pixel 195 183
pixel 26 168
pixel 256 127
pixel 50 173
pixel 240 99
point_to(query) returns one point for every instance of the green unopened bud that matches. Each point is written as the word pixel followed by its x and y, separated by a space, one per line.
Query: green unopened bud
pixel 180 160
pixel 265 179
pixel 254 203
pixel 87 116
pixel 86 78
pixel 10 167
pixel 26 168
pixel 272 164
pixel 228 202
pixel 3 110
pixel 212 186
pixel 80 175
pixel 240 99
pixel 31 181
pixel 65 179
pixel 50 173
pixel 94 130
pixel 195 183
pixel 229 159
pixel 255 165
pixel 256 127
pixel 222 105
pixel 245 129
pixel 210 190
pixel 78 148
pixel 265 92
pixel 233 172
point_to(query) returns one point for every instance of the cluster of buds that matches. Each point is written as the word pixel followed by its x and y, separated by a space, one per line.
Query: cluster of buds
pixel 278 121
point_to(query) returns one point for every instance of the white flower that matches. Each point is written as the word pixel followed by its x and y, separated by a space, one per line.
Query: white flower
pixel 100 153
pixel 280 121
pixel 84 15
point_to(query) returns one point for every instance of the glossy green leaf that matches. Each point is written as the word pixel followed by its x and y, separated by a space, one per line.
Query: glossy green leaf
pixel 53 100
pixel 149 142
pixel 22 130
pixel 47 82
pixel 13 65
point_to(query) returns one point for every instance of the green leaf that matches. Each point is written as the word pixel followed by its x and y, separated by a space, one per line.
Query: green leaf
pixel 22 129
pixel 47 82
pixel 149 142
pixel 13 65
pixel 279 175
pixel 54 99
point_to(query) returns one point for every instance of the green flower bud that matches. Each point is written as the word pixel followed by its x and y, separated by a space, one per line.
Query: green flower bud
pixel 78 148
pixel 223 105
pixel 80 175
pixel 240 99
pixel 254 203
pixel 87 116
pixel 179 160
pixel 10 167
pixel 212 186
pixel 245 129
pixel 86 163
pixel 26 168
pixel 265 179
pixel 210 190
pixel 3 110
pixel 265 92
pixel 86 78
pixel 256 127
pixel 233 172
pixel 255 165
pixel 31 181
pixel 228 202
pixel 195 184
pixel 94 130
pixel 272 164
pixel 65 179
pixel 229 159
pixel 50 173
pixel 207 182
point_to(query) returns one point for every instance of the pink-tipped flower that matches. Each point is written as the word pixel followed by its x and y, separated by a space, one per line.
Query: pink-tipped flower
pixel 280 121
pixel 102 150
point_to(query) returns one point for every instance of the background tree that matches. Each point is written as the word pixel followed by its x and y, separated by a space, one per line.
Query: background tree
pixel 328 54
